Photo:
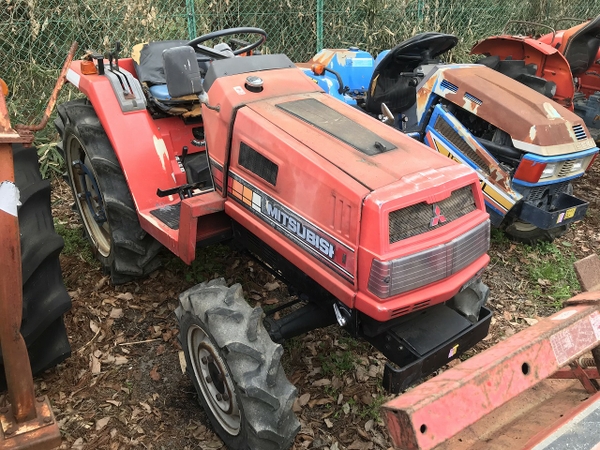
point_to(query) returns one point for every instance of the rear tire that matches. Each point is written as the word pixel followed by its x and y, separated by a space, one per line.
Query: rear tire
pixel 45 298
pixel 236 368
pixel 102 196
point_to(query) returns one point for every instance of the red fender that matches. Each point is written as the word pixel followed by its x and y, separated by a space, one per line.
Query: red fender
pixel 551 64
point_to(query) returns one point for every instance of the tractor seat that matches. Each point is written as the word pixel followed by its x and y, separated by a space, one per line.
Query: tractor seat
pixel 582 43
pixel 148 63
pixel 398 91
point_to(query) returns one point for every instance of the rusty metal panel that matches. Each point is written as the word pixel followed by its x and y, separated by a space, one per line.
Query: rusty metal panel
pixel 419 419
pixel 39 433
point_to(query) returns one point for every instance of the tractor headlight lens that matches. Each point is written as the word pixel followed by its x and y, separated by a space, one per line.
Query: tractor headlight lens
pixel 548 171
pixel 577 165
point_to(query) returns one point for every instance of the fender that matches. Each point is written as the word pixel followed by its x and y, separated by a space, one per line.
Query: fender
pixel 551 64
pixel 145 148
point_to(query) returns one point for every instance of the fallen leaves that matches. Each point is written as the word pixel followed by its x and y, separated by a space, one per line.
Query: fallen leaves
pixel 154 374
pixel 101 423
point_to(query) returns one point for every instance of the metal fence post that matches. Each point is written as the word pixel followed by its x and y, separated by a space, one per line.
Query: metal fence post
pixel 191 18
pixel 420 10
pixel 319 25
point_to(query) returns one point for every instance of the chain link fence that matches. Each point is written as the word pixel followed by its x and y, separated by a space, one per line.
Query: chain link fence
pixel 36 34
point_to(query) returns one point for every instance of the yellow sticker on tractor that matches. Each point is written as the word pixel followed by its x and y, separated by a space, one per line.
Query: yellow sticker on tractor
pixel 570 213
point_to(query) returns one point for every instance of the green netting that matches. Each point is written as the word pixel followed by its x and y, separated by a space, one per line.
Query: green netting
pixel 36 34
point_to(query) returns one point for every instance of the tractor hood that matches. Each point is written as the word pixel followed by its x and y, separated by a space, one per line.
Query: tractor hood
pixel 370 152
pixel 535 123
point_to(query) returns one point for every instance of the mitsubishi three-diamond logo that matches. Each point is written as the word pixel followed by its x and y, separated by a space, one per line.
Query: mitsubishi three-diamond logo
pixel 437 216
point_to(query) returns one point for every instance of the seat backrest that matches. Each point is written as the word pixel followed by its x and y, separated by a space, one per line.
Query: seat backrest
pixel 181 71
pixel 396 91
pixel 581 45
pixel 149 67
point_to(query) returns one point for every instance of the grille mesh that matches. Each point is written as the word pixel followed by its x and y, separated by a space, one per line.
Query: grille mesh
pixel 566 167
pixel 442 127
pixel 538 192
pixel 472 98
pixel 447 85
pixel 416 219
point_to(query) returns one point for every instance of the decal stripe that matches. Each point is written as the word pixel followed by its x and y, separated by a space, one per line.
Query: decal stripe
pixel 318 242
pixel 493 195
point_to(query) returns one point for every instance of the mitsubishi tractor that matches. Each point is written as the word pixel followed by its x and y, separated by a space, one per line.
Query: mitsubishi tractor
pixel 527 149
pixel 186 144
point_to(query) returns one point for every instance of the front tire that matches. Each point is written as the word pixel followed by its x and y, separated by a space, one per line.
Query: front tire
pixel 236 368
pixel 530 234
pixel 102 196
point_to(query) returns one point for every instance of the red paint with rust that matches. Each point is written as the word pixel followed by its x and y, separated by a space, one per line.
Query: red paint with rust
pixel 589 81
pixel 342 191
pixel 436 410
pixel 551 64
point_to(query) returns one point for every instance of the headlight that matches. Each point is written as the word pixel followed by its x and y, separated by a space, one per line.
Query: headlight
pixel 548 171
pixel 577 165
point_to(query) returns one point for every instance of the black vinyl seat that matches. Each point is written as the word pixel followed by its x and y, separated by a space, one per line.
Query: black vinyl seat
pixel 582 47
pixel 389 83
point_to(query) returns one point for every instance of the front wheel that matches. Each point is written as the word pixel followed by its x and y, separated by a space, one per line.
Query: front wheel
pixel 528 233
pixel 236 368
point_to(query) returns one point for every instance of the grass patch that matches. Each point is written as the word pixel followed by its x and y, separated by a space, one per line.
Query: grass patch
pixel 373 411
pixel 209 261
pixel 338 363
pixel 75 242
pixel 550 268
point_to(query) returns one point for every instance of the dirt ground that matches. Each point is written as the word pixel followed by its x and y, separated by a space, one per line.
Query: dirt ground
pixel 123 386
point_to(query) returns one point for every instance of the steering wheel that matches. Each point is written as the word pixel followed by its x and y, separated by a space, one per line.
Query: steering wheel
pixel 211 53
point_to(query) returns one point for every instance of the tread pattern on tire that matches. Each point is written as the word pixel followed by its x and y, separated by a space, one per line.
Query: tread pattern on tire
pixel 265 395
pixel 45 298
pixel 133 252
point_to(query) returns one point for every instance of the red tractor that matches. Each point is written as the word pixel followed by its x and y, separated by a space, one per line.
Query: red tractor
pixel 184 145
pixel 570 59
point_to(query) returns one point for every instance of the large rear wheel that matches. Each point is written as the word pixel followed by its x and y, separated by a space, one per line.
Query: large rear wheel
pixel 236 368
pixel 45 298
pixel 102 196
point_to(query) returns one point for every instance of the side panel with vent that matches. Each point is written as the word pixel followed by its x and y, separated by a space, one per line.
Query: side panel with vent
pixel 295 202
pixel 442 136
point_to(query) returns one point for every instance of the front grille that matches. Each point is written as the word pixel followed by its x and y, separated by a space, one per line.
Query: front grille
pixel 579 132
pixel 565 168
pixel 421 269
pixel 442 127
pixel 417 219
pixel 537 193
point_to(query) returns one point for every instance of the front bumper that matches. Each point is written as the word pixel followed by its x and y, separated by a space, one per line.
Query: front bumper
pixel 398 378
pixel 564 210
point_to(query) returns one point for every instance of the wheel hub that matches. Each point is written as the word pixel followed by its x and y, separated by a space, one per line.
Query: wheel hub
pixel 214 380
pixel 92 198
pixel 87 196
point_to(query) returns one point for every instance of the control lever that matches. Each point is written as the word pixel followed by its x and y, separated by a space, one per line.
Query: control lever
pixel 114 55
